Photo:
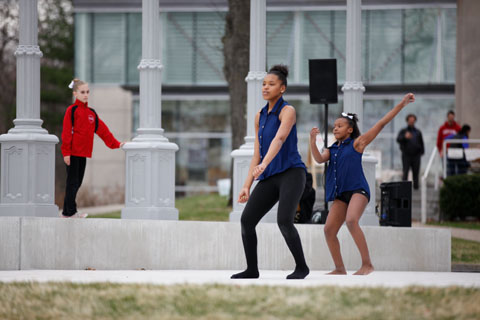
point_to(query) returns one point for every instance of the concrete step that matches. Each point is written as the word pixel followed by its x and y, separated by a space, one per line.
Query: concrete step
pixel 118 244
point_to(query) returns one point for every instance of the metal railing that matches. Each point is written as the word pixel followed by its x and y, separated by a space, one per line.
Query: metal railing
pixel 445 153
pixel 433 157
pixel 423 184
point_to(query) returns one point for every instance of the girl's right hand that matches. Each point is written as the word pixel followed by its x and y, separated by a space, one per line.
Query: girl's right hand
pixel 408 98
pixel 67 160
pixel 313 133
pixel 244 195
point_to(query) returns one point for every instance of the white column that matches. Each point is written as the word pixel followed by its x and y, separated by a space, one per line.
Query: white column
pixel 28 152
pixel 243 155
pixel 150 167
pixel 353 97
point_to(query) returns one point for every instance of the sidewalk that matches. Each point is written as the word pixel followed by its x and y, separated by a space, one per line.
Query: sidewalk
pixel 466 234
pixel 267 277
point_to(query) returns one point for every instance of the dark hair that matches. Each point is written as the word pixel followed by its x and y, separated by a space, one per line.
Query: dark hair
pixel 353 124
pixel 450 112
pixel 281 71
pixel 465 129
pixel 411 115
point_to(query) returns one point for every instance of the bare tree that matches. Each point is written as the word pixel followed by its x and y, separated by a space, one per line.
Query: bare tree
pixel 236 43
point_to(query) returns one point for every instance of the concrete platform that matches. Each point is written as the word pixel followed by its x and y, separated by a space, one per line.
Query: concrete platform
pixel 267 277
pixel 117 244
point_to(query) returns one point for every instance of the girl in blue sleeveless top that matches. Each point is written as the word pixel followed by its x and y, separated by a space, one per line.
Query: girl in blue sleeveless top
pixel 346 183
pixel 278 166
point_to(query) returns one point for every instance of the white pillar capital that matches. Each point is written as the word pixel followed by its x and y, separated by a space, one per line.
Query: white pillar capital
pixel 150 64
pixel 255 76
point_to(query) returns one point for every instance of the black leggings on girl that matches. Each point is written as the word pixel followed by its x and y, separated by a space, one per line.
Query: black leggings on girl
pixel 287 188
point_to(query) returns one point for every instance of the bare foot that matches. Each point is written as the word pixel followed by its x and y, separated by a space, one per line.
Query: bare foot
pixel 364 270
pixel 338 271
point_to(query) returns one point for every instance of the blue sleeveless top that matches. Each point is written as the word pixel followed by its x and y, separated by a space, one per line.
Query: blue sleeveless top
pixel 345 171
pixel 288 156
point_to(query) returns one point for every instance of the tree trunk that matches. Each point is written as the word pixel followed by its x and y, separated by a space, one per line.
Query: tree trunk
pixel 236 48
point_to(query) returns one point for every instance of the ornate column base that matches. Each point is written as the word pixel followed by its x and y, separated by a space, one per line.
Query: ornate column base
pixel 241 164
pixel 369 218
pixel 28 174
pixel 150 180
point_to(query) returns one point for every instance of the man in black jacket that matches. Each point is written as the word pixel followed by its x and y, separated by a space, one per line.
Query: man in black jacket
pixel 411 145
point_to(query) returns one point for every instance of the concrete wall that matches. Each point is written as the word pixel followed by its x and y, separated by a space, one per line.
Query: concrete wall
pixel 51 243
pixel 104 181
pixel 467 95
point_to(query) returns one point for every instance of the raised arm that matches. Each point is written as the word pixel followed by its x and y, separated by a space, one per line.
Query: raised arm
pixel 364 140
pixel 287 119
pixel 319 157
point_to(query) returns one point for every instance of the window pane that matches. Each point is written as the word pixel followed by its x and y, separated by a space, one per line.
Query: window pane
pixel 178 48
pixel 134 46
pixel 420 55
pixel 109 48
pixel 382 50
pixel 210 28
pixel 280 40
pixel 83 50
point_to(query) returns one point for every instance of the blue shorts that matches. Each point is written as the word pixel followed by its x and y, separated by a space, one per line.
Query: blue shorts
pixel 347 195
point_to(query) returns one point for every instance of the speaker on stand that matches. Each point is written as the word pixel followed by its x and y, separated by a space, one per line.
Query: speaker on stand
pixel 323 89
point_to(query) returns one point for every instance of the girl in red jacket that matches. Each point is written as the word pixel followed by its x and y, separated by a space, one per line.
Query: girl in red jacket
pixel 79 125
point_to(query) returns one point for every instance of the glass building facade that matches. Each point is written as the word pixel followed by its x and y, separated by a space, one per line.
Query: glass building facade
pixel 402 49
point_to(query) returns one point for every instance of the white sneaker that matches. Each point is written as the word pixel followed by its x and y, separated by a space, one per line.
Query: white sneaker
pixel 80 215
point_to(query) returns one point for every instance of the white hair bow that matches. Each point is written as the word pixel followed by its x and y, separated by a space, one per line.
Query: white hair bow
pixel 71 84
pixel 347 116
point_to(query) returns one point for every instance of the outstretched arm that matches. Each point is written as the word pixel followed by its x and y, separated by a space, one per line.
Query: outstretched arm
pixel 364 140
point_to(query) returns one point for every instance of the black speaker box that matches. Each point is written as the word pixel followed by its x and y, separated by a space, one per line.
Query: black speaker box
pixel 323 81
pixel 396 204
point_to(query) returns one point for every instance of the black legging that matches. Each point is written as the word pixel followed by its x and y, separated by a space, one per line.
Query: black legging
pixel 287 188
pixel 75 172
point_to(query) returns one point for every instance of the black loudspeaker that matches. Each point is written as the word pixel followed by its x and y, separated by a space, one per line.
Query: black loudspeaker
pixel 323 81
pixel 396 204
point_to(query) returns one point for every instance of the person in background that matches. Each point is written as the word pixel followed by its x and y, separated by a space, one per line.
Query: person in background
pixel 450 127
pixel 412 148
pixel 458 165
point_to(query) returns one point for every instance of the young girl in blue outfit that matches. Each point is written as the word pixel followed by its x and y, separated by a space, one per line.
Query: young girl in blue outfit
pixel 278 166
pixel 347 186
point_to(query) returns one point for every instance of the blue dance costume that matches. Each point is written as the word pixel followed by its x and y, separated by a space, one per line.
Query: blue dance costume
pixel 345 172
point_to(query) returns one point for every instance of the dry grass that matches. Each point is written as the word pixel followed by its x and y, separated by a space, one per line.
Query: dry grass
pixel 114 301
pixel 465 251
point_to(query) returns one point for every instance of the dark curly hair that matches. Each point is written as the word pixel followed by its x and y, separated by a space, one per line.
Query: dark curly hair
pixel 281 71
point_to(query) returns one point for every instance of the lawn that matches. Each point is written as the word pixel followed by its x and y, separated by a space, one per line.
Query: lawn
pixel 204 207
pixel 458 224
pixel 465 251
pixel 130 301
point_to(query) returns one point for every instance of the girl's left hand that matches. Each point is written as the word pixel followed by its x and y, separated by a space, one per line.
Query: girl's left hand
pixel 122 144
pixel 258 170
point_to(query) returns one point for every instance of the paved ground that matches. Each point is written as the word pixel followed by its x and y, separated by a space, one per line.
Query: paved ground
pixel 267 277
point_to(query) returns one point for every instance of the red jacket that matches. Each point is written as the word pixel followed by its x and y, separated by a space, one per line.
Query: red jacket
pixel 445 130
pixel 80 142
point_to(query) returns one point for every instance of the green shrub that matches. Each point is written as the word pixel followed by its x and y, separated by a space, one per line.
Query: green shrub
pixel 460 197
